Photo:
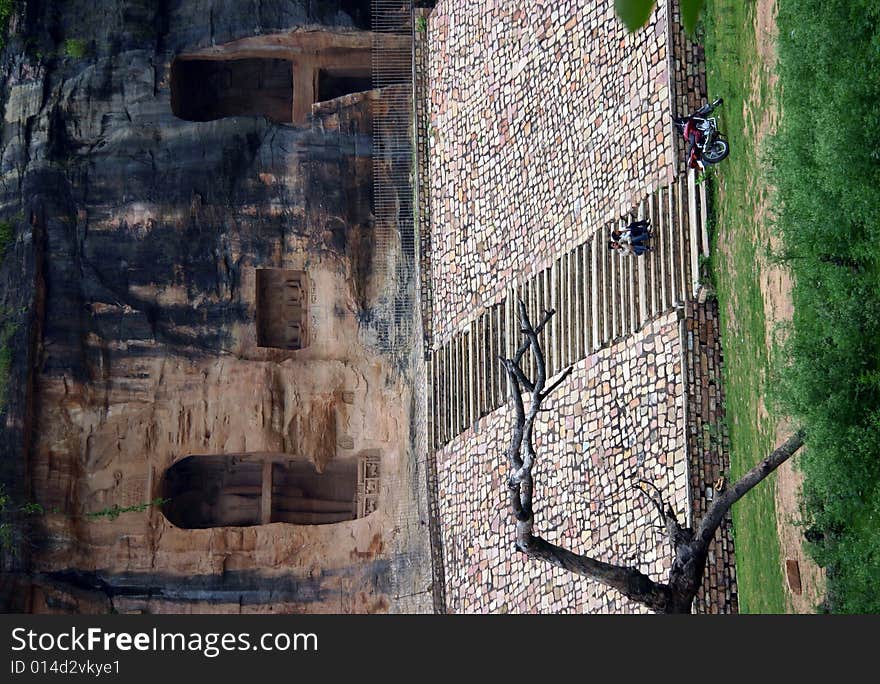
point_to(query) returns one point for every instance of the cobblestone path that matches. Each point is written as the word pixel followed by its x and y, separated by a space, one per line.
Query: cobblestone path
pixel 547 118
pixel 542 126
pixel 600 297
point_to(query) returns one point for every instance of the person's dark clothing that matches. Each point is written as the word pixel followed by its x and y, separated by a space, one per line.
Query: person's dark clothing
pixel 639 231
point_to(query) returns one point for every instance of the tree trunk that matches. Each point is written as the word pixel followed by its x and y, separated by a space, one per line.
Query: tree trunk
pixel 690 550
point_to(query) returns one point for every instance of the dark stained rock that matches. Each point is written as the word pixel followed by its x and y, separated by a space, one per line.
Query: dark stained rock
pixel 131 292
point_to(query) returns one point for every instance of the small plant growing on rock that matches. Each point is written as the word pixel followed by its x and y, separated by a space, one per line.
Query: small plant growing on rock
pixel 114 511
pixel 6 333
pixel 11 536
pixel 12 518
pixel 76 48
pixel 6 236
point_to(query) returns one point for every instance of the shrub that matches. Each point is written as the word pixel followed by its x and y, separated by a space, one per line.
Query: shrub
pixel 76 48
pixel 7 234
pixel 5 362
pixel 827 170
pixel 7 7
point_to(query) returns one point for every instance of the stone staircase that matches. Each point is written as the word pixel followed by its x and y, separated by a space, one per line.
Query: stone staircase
pixel 599 296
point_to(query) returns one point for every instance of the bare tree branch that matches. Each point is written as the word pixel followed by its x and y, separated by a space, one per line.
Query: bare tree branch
pixel 519 415
pixel 658 501
pixel 629 581
pixel 690 550
pixel 719 508
pixel 524 381
pixel 558 382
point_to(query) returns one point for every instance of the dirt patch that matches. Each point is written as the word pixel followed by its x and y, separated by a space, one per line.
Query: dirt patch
pixel 775 285
pixel 788 486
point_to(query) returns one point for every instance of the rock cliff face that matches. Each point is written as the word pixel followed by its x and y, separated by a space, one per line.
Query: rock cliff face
pixel 134 283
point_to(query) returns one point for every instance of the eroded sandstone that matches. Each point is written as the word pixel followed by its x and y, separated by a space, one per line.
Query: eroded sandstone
pixel 140 237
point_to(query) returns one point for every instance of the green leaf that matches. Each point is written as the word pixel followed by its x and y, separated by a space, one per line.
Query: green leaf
pixel 634 13
pixel 690 13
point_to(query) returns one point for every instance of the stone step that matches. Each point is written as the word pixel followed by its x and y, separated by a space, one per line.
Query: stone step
pixel 599 296
pixel 693 231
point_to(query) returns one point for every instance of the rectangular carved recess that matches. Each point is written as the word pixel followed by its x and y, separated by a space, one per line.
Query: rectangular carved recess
pixel 368 483
pixel 282 308
pixel 209 89
pixel 333 82
pixel 297 493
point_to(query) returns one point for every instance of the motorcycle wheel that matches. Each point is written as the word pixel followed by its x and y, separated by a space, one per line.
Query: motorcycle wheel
pixel 717 151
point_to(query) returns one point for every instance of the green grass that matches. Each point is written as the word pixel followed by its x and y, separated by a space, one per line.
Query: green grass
pixel 827 170
pixel 825 165
pixel 738 184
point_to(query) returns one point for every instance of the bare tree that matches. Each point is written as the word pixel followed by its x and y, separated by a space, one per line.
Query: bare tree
pixel 689 547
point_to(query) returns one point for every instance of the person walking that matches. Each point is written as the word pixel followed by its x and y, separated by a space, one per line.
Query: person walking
pixel 638 231
pixel 622 248
pixel 632 240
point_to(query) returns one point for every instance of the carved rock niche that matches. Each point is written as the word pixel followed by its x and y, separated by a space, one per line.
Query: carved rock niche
pixel 282 308
pixel 278 76
pixel 221 490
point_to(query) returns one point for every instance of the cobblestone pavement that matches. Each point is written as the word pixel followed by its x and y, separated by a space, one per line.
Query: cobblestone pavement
pixel 620 416
pixel 600 297
pixel 547 126
pixel 546 120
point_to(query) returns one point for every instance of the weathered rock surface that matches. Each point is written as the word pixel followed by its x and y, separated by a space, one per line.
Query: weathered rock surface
pixel 132 280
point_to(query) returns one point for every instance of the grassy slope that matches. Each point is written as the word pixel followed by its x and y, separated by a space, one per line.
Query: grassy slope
pixel 738 251
pixel 826 166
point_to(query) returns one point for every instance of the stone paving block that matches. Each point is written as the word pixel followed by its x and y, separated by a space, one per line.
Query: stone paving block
pixel 524 110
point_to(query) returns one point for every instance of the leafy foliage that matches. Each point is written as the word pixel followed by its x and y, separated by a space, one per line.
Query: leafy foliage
pixel 690 13
pixel 9 515
pixel 6 333
pixel 7 7
pixel 76 48
pixel 827 171
pixel 6 529
pixel 635 13
pixel 7 234
pixel 116 510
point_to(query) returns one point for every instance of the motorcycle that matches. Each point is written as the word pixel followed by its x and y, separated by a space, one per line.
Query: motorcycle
pixel 707 143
